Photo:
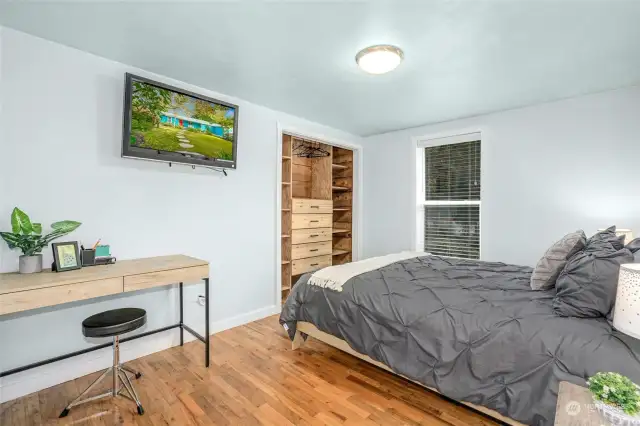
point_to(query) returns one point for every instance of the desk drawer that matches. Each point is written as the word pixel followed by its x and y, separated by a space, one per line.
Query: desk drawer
pixel 306 221
pixel 160 278
pixel 314 235
pixel 301 266
pixel 49 296
pixel 302 251
pixel 306 205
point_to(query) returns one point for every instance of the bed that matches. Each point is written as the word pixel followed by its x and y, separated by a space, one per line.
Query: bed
pixel 472 331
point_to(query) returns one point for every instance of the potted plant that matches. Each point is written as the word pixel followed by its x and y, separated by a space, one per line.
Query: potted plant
pixel 616 397
pixel 27 236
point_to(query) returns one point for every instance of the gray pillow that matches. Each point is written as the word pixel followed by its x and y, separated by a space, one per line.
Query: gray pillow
pixel 555 258
pixel 587 286
pixel 606 236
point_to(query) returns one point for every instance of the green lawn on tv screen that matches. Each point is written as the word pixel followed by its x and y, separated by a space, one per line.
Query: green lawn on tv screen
pixel 166 138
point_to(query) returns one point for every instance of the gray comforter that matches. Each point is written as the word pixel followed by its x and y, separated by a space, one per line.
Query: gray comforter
pixel 474 331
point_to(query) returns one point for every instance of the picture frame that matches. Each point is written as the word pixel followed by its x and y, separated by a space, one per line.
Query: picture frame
pixel 66 256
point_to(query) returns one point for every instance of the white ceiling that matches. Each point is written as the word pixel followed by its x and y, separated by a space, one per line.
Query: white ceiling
pixel 462 58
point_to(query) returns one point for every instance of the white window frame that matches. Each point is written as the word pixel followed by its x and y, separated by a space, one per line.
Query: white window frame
pixel 420 143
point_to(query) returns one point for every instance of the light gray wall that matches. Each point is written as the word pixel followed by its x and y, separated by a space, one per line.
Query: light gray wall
pixel 61 128
pixel 547 170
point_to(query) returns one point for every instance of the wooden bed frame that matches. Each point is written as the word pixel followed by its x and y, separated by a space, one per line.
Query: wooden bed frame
pixel 312 330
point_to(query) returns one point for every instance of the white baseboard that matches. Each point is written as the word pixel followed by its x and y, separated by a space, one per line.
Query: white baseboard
pixel 20 384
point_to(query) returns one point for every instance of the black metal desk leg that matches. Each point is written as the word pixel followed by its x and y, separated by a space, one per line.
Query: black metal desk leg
pixel 181 318
pixel 206 323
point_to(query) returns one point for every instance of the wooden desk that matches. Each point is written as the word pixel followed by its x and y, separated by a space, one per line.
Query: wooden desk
pixel 23 292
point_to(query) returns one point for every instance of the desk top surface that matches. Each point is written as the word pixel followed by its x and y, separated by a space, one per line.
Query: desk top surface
pixel 15 282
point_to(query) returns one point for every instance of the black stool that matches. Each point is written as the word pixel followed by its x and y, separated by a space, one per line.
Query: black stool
pixel 112 324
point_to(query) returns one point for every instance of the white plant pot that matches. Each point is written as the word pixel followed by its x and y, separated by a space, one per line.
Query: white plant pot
pixel 30 264
pixel 616 416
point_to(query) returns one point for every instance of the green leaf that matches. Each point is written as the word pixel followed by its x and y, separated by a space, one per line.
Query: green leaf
pixel 20 221
pixel 37 228
pixel 11 239
pixel 65 226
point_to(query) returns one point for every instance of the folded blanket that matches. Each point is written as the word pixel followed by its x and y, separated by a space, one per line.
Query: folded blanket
pixel 334 277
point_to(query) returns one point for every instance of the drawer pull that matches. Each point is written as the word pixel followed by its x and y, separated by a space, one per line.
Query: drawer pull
pixel 314 236
pixel 313 221
pixel 314 264
pixel 313 250
pixel 315 207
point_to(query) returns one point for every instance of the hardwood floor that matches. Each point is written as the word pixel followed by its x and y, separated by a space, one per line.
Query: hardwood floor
pixel 254 379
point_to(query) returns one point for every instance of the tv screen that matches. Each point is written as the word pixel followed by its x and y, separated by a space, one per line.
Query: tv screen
pixel 164 123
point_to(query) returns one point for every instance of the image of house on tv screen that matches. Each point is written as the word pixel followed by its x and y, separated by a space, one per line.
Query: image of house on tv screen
pixel 165 120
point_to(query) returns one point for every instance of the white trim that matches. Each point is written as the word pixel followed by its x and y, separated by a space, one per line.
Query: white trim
pixel 20 384
pixel 357 222
pixel 448 139
pixel 418 143
pixel 450 203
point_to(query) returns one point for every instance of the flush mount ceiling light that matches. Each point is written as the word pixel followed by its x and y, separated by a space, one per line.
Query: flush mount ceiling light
pixel 379 59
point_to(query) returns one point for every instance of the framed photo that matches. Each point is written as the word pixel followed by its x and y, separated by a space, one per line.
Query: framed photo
pixel 66 256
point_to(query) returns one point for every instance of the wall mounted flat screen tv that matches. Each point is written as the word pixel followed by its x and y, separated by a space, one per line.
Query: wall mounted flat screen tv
pixel 164 123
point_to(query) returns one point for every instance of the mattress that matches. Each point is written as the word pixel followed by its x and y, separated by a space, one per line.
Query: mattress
pixel 473 330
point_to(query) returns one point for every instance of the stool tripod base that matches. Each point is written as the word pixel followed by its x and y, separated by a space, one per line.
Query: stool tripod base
pixel 120 382
pixel 126 389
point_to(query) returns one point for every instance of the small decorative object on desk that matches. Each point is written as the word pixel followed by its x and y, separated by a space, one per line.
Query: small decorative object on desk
pixel 103 251
pixel 27 236
pixel 616 397
pixel 88 257
pixel 66 256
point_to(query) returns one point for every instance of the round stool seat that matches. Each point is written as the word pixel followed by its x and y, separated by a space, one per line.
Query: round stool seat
pixel 114 322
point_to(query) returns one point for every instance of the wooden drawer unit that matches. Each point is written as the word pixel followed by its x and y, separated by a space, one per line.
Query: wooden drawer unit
pixel 312 235
pixel 309 264
pixel 307 205
pixel 301 251
pixel 50 296
pixel 306 221
pixel 160 278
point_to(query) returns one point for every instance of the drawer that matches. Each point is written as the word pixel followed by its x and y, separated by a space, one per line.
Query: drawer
pixel 160 278
pixel 313 235
pixel 306 221
pixel 301 251
pixel 309 264
pixel 49 296
pixel 307 205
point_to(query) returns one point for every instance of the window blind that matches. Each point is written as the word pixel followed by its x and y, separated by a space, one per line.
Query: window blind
pixel 452 231
pixel 452 199
pixel 452 172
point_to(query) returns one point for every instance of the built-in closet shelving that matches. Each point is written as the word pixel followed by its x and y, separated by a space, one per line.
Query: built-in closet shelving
pixel 342 188
pixel 287 168
pixel 317 207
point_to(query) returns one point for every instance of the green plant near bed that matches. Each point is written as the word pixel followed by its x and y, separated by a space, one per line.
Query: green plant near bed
pixel 616 390
pixel 27 236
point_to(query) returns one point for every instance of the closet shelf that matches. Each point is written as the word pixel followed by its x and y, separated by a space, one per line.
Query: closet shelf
pixel 309 169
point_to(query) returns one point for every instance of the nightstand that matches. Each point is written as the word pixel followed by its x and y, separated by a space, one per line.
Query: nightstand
pixel 576 408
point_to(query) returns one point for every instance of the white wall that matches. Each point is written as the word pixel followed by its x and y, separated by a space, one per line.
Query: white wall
pixel 61 127
pixel 547 170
